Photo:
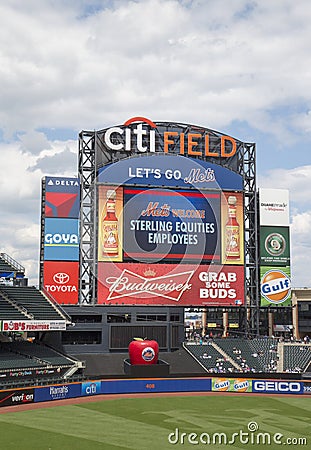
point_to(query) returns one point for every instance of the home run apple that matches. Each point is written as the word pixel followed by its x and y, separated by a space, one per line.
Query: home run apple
pixel 143 351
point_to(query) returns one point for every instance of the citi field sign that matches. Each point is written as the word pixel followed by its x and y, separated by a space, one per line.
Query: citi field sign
pixel 142 135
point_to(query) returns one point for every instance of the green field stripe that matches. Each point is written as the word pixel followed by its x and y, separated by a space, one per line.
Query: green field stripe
pixel 91 425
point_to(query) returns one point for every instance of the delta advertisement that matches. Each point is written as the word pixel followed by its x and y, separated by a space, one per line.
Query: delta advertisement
pixel 171 225
pixel 61 281
pixel 61 239
pixel 62 197
pixel 275 286
pixel 170 284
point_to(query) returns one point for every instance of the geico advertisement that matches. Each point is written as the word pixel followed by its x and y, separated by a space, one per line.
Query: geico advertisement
pixel 171 225
pixel 170 284
pixel 278 387
pixel 231 385
pixel 61 281
pixel 61 239
pixel 171 171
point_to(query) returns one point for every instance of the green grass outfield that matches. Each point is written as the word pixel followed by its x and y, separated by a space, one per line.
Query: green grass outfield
pixel 146 423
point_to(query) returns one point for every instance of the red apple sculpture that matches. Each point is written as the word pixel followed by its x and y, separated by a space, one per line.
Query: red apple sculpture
pixel 143 351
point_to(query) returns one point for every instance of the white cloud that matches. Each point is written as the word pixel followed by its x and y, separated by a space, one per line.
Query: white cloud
pixel 74 64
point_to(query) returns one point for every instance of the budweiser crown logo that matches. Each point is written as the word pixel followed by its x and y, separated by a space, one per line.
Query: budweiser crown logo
pixel 150 272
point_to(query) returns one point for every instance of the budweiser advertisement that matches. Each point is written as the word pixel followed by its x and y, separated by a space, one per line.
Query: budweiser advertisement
pixel 170 284
pixel 61 281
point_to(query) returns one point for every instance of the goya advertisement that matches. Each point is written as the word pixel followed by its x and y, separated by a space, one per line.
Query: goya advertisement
pixel 275 286
pixel 172 225
pixel 170 284
pixel 61 240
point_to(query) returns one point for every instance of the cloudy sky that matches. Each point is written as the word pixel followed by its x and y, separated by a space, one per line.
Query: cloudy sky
pixel 240 67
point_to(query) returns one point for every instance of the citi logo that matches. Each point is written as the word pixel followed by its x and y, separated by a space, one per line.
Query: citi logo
pixel 117 138
pixel 61 278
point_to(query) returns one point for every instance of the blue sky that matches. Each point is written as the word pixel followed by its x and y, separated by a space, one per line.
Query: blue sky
pixel 240 67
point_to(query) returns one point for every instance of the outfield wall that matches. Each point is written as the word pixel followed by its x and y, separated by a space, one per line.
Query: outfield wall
pixel 129 386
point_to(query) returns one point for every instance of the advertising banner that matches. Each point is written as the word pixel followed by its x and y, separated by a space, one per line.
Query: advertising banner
pixel 170 284
pixel 57 392
pixel 61 240
pixel 274 246
pixel 110 226
pixel 171 171
pixel 157 385
pixel 62 197
pixel 61 281
pixel 16 397
pixel 171 225
pixel 275 286
pixel 142 136
pixel 278 387
pixel 231 385
pixel 33 325
pixel 232 228
pixel 274 207
pixel 91 388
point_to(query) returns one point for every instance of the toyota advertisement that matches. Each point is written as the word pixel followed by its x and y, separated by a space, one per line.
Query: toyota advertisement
pixel 61 280
pixel 170 284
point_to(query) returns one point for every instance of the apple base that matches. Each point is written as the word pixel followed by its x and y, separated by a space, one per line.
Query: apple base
pixel 161 369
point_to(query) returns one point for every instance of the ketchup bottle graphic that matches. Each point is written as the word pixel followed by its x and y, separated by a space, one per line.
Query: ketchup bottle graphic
pixel 232 231
pixel 110 226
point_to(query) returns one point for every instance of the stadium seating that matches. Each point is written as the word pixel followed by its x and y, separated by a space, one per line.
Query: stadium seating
pixel 297 357
pixel 210 358
pixel 33 301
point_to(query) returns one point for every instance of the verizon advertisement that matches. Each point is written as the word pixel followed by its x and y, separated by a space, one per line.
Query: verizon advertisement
pixel 61 281
pixel 170 284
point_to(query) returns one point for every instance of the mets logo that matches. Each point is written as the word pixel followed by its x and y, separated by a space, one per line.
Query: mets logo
pixel 275 286
pixel 148 354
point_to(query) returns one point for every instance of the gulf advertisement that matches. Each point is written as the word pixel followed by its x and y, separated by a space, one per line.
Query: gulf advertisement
pixel 170 284
pixel 62 197
pixel 61 281
pixel 61 239
pixel 162 224
pixel 274 246
pixel 239 385
pixel 275 286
